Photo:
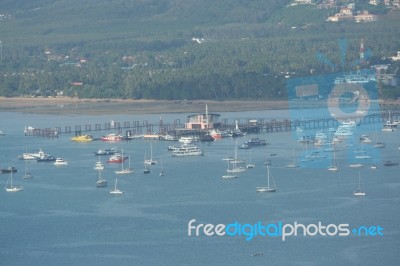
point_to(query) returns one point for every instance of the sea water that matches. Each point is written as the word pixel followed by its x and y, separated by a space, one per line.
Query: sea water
pixel 61 218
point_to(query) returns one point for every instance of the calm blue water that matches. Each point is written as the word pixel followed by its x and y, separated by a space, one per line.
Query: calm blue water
pixel 61 218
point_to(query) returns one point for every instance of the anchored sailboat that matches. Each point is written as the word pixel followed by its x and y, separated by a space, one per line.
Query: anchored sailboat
pixel 268 188
pixel 12 188
pixel 359 192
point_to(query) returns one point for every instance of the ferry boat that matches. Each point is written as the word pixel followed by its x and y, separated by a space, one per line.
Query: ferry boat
pixel 256 142
pixel 82 138
pixel 187 150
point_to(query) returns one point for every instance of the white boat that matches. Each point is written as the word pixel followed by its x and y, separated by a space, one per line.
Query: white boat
pixel 359 192
pixel 116 191
pixel 343 132
pixel 2 133
pixel 99 165
pixel 150 161
pixel 373 166
pixel 32 156
pixel 236 167
pixel 125 171
pixel 12 188
pixel 356 165
pixel 333 167
pixel 101 182
pixel 27 174
pixel 292 164
pixel 268 188
pixel 229 175
pixel 365 139
pixel 60 161
pixel 187 150
pixel 188 140
pixel 388 128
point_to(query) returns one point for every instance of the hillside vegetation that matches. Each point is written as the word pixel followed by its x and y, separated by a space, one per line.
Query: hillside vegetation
pixel 175 49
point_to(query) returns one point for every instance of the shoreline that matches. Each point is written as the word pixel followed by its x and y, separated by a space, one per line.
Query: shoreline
pixel 75 106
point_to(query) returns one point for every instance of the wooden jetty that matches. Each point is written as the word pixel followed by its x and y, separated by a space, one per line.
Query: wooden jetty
pixel 176 128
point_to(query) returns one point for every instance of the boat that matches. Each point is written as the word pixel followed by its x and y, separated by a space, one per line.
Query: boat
pixel 293 163
pixel 373 166
pixel 101 182
pixel 2 133
pixel 116 158
pixel 359 192
pixel 229 175
pixel 32 156
pixel 8 170
pixel 253 142
pixel 215 134
pixel 343 131
pixel 27 174
pixel 365 139
pixel 46 158
pixel 268 188
pixel 12 188
pixel 82 138
pixel 188 140
pixel 387 128
pixel 333 167
pixel 99 165
pixel 112 137
pixel 390 163
pixel 187 150
pixel 150 161
pixel 379 145
pixel 356 165
pixel 116 191
pixel 236 168
pixel 125 171
pixel 60 161
pixel 315 155
pixel 105 152
pixel 162 172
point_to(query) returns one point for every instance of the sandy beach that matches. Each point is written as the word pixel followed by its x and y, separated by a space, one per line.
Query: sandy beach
pixel 73 106
pixel 65 106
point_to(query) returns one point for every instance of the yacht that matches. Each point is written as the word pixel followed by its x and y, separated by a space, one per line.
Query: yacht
pixel 117 158
pixel 268 188
pixel 82 138
pixel 32 156
pixel 60 161
pixel 12 188
pixel 112 137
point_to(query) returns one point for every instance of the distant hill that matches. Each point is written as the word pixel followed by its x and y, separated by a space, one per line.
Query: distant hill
pixel 176 49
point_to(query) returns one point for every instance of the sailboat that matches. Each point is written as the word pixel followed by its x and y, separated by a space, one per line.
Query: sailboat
pixel 293 163
pixel 150 161
pixel 250 164
pixel 101 182
pixel 12 188
pixel 116 191
pixel 123 170
pixel 333 167
pixel 235 168
pixel 145 170
pixel 162 173
pixel 268 188
pixel 229 175
pixel 27 174
pixel 99 165
pixel 359 192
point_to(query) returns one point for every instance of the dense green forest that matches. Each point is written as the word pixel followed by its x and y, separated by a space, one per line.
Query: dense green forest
pixel 174 49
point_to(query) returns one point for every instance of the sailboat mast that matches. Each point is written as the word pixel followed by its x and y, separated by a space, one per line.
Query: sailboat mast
pixel 268 175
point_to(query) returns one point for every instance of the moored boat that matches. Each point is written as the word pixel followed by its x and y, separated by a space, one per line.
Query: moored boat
pixel 82 138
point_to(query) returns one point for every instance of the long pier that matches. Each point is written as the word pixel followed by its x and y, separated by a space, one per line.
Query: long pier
pixel 176 128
